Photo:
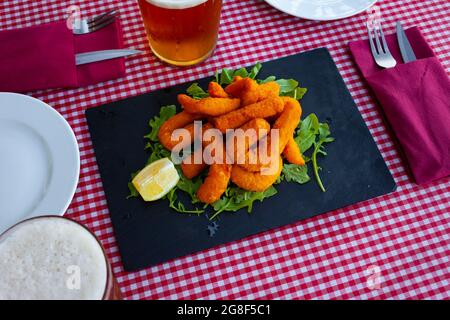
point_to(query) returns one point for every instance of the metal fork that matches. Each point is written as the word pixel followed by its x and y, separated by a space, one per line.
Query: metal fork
pixel 89 25
pixel 379 48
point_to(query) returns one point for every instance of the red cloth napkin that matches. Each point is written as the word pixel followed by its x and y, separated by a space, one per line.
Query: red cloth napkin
pixel 415 98
pixel 43 57
pixel 106 38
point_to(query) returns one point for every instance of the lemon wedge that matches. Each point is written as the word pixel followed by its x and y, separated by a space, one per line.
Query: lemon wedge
pixel 156 179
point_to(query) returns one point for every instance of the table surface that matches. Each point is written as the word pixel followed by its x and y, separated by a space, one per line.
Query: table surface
pixel 400 241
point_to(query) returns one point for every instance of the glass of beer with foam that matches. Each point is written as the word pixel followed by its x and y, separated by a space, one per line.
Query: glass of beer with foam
pixel 54 258
pixel 181 32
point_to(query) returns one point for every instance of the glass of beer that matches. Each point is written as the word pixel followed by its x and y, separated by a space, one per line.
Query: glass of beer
pixel 181 32
pixel 51 257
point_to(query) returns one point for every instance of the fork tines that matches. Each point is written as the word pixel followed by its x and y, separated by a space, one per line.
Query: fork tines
pixel 89 25
pixel 379 48
pixel 102 20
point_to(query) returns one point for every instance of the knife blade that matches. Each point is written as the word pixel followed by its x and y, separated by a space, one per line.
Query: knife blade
pixel 94 56
pixel 405 47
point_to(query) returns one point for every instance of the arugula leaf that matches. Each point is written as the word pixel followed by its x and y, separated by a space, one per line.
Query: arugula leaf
pixel 290 88
pixel 157 151
pixel 190 186
pixel 242 72
pixel 268 79
pixel 307 131
pixel 324 137
pixel 280 178
pixel 297 93
pixel 300 92
pixel 226 77
pixel 286 86
pixel 133 192
pixel 324 132
pixel 217 76
pixel 295 173
pixel 196 92
pixel 312 133
pixel 178 206
pixel 155 123
pixel 255 70
pixel 236 198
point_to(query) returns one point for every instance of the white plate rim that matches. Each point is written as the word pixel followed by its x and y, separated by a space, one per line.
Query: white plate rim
pixel 71 138
pixel 274 4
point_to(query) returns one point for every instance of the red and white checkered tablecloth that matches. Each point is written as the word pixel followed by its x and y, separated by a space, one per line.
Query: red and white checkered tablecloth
pixel 404 235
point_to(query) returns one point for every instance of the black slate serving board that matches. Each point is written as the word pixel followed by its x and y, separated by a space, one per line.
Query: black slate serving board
pixel 151 233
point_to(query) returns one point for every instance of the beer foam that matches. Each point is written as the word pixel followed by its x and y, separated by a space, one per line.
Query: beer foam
pixel 39 260
pixel 176 4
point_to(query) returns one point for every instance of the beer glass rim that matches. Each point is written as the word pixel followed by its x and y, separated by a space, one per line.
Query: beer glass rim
pixel 107 265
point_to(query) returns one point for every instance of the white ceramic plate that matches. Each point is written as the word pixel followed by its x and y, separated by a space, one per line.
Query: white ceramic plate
pixel 39 160
pixel 321 10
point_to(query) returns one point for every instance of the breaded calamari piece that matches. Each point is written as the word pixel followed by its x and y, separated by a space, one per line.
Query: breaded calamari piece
pixel 215 90
pixel 240 85
pixel 288 121
pixel 190 128
pixel 268 89
pixel 179 120
pixel 189 166
pixel 263 91
pixel 209 106
pixel 255 181
pixel 246 137
pixel 191 169
pixel 249 91
pixel 292 153
pixel 215 183
pixel 187 142
pixel 263 109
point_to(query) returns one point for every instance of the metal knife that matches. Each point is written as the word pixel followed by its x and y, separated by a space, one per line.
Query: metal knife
pixel 94 56
pixel 405 47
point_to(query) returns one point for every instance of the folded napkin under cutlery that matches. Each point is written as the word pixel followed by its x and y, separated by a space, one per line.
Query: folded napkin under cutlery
pixel 415 98
pixel 43 57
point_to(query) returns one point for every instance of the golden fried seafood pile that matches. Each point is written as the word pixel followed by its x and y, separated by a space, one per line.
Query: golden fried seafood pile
pixel 243 104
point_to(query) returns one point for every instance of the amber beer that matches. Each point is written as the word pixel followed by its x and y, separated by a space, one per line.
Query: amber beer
pixel 181 32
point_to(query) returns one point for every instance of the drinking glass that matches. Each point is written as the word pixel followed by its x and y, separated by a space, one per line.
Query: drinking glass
pixel 181 32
